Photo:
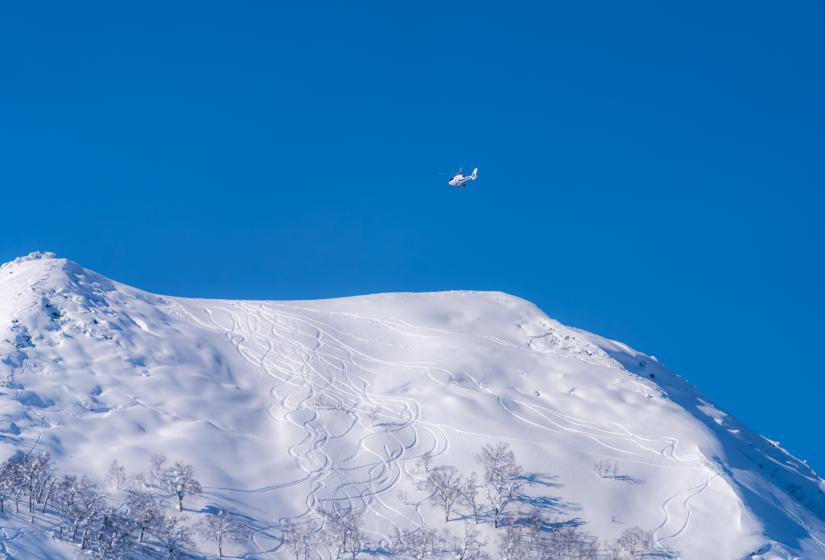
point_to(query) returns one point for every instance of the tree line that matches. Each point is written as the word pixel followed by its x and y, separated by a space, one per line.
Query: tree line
pixel 134 516
pixel 111 526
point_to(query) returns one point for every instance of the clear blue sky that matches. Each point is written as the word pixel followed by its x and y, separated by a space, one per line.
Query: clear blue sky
pixel 650 172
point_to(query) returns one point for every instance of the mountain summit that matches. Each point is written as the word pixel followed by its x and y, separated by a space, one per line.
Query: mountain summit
pixel 287 410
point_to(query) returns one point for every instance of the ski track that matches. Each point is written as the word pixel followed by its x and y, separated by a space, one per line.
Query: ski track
pixel 318 375
pixel 305 361
pixel 352 446
pixel 689 494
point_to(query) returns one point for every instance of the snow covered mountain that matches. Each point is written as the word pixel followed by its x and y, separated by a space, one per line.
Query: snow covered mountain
pixel 285 408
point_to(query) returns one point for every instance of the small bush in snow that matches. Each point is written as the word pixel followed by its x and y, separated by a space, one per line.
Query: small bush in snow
pixel 606 469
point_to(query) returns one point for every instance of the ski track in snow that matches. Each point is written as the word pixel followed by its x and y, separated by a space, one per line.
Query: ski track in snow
pixel 343 428
pixel 689 494
pixel 308 360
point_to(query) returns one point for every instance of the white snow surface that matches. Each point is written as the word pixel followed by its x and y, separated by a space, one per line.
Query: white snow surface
pixel 285 406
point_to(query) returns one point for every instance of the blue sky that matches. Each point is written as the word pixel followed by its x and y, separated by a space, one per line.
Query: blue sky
pixel 648 171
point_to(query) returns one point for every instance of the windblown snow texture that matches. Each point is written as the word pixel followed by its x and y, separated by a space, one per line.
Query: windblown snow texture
pixel 285 407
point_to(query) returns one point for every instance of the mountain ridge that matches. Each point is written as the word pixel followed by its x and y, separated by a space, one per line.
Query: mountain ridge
pixel 90 365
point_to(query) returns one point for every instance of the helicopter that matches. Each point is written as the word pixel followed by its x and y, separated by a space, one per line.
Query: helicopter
pixel 459 179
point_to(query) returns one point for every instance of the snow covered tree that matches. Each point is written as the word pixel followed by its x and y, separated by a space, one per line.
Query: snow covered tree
pixel 78 503
pixel 173 536
pixel 589 548
pixel 91 506
pixel 8 483
pixel 47 491
pixel 469 546
pixel 157 472
pixel 180 480
pixel 32 473
pixel 418 544
pixel 143 511
pixel 65 500
pixel 109 538
pixel 17 474
pixel 44 475
pixel 513 545
pixel 222 528
pixel 445 485
pixel 535 533
pixel 343 532
pixel 137 482
pixel 501 476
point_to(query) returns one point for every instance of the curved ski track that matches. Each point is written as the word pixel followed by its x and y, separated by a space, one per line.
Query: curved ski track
pixel 318 376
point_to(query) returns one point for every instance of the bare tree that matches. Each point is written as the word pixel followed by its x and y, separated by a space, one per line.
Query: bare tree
pixel 299 538
pixel 180 480
pixel 424 463
pixel 469 494
pixel 635 542
pixel 342 530
pixel 445 485
pixel 501 476
pixel 117 476
pixel 566 543
pixel 157 472
pixel 222 528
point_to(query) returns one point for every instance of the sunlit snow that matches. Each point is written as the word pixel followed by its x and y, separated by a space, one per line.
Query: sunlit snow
pixel 283 407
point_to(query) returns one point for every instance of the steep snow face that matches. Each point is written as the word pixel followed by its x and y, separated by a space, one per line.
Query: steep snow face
pixel 287 407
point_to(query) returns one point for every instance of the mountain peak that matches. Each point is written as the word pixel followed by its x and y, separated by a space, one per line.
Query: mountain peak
pixel 339 400
pixel 33 256
pixel 55 299
pixel 45 272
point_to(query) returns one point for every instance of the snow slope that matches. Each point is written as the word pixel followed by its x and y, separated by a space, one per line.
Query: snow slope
pixel 283 407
